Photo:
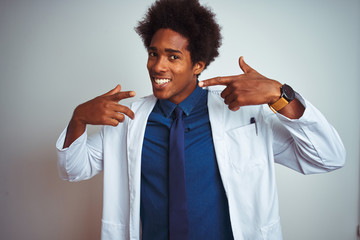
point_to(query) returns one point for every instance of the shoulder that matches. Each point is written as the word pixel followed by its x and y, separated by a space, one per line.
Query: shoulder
pixel 219 111
pixel 147 101
pixel 216 102
pixel 214 92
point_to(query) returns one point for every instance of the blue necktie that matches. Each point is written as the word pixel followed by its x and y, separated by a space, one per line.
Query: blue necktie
pixel 178 216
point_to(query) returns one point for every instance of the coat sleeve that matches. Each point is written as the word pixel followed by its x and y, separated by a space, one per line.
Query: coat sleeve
pixel 309 144
pixel 83 159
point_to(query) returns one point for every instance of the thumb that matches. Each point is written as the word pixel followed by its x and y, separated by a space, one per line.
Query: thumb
pixel 244 67
pixel 113 91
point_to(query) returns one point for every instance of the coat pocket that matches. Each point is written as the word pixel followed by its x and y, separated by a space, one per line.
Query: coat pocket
pixel 246 147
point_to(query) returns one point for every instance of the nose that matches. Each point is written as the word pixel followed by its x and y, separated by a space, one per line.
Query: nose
pixel 159 65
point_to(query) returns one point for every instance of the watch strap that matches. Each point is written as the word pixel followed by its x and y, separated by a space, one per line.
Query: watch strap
pixel 278 105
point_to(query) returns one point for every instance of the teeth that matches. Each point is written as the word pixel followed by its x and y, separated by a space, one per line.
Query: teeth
pixel 162 81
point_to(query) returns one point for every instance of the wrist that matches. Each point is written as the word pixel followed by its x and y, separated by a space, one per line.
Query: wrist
pixel 287 94
pixel 76 124
pixel 76 118
pixel 275 93
pixel 74 130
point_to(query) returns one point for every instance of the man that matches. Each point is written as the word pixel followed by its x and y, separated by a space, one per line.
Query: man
pixel 231 140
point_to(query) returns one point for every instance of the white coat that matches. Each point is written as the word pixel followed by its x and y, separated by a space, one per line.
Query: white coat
pixel 245 153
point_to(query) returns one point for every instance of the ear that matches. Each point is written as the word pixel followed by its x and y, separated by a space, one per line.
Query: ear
pixel 198 67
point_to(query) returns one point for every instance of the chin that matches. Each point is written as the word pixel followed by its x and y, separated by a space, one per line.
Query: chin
pixel 160 95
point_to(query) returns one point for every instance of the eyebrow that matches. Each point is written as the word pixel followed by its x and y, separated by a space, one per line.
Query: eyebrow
pixel 168 50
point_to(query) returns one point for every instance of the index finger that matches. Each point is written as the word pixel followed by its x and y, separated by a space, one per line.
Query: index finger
pixel 216 81
pixel 122 95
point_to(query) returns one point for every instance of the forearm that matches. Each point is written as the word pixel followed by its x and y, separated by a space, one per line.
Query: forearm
pixel 82 159
pixel 74 130
pixel 294 110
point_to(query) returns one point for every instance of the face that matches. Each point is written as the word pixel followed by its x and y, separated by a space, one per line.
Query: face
pixel 172 73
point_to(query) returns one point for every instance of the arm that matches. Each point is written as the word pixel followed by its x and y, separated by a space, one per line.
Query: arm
pixel 309 144
pixel 303 139
pixel 80 157
pixel 252 88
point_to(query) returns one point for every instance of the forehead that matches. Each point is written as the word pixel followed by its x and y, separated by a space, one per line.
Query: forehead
pixel 167 38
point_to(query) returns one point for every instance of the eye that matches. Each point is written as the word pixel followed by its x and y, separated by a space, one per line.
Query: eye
pixel 152 54
pixel 174 57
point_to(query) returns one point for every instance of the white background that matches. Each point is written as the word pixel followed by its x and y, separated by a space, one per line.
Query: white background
pixel 55 55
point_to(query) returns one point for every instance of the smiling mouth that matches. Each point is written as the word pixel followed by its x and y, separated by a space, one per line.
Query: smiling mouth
pixel 161 81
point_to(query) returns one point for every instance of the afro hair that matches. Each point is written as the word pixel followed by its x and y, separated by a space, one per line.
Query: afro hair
pixel 188 18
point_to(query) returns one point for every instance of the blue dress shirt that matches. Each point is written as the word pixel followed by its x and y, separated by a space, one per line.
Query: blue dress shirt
pixel 207 202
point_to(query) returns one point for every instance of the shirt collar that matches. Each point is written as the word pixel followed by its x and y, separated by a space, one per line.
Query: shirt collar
pixel 187 105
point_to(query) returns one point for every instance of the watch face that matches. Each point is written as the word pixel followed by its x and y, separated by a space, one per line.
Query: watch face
pixel 287 92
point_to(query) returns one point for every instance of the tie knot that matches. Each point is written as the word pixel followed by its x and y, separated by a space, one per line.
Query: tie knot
pixel 178 113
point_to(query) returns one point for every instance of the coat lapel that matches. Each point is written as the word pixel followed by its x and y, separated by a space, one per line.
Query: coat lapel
pixel 135 137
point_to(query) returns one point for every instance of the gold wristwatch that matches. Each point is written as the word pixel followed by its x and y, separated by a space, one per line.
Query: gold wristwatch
pixel 287 95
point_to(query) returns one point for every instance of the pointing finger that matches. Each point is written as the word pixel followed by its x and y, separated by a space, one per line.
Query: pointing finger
pixel 216 81
pixel 122 95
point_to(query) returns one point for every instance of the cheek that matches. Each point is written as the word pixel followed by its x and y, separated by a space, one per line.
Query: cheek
pixel 183 70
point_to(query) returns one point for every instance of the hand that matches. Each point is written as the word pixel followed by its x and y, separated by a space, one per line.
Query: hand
pixel 104 109
pixel 250 88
